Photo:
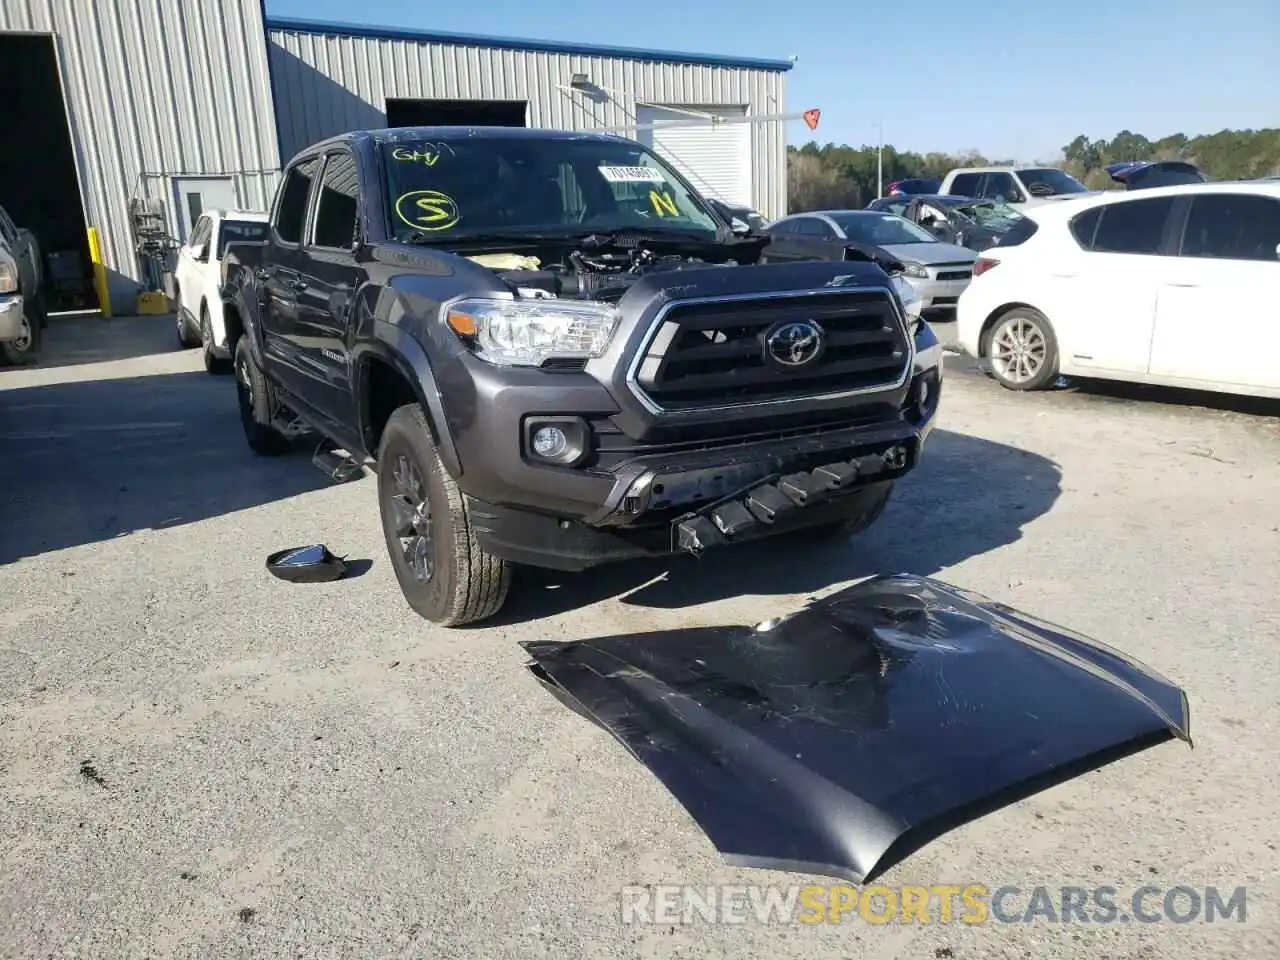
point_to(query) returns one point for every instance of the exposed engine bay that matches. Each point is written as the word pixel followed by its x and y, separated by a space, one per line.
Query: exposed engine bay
pixel 604 267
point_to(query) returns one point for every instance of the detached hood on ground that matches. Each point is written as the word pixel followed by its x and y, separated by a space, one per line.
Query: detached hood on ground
pixel 873 719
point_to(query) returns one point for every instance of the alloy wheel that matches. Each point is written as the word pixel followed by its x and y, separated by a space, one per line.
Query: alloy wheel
pixel 411 518
pixel 1018 349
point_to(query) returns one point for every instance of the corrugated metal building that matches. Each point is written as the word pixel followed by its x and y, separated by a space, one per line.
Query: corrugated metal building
pixel 191 105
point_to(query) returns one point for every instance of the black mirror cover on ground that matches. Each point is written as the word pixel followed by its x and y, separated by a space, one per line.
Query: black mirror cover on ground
pixel 838 739
pixel 310 564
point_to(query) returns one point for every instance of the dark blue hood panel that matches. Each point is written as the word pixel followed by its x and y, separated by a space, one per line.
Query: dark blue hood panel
pixel 839 738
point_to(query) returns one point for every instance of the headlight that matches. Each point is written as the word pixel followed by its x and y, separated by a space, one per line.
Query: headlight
pixel 917 270
pixel 909 296
pixel 8 276
pixel 526 333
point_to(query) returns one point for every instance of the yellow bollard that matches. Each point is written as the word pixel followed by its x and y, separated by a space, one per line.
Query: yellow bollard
pixel 99 273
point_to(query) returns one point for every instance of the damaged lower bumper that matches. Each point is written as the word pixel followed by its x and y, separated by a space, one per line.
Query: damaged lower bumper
pixel 838 739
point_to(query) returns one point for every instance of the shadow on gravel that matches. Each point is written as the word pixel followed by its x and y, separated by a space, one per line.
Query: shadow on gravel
pixel 71 341
pixel 1119 391
pixel 87 461
pixel 968 496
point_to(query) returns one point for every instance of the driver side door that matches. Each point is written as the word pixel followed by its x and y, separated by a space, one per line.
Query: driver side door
pixel 807 238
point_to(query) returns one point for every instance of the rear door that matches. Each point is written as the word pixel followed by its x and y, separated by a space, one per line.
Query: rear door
pixel 328 276
pixel 811 239
pixel 1103 289
pixel 1217 319
pixel 277 274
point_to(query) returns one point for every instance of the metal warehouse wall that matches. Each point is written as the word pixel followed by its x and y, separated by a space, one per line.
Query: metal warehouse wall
pixel 156 89
pixel 327 83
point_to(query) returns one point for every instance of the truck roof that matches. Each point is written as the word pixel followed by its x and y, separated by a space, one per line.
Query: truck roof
pixel 401 134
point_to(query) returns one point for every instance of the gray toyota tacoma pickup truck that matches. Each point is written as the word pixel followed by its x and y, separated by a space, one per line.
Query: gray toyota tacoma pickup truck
pixel 556 353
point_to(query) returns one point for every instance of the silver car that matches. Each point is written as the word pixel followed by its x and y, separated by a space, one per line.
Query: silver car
pixel 938 271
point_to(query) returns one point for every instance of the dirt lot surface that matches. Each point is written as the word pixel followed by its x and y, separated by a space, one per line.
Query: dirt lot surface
pixel 198 760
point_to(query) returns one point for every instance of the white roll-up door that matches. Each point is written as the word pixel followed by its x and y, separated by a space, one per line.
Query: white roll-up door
pixel 716 159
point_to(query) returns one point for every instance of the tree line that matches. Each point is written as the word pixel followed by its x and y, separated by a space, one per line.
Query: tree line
pixel 832 176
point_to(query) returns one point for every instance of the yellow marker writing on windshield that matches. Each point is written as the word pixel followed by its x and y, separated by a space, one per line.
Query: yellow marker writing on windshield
pixel 428 210
pixel 663 204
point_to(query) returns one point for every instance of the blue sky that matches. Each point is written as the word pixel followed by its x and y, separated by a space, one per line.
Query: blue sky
pixel 1013 78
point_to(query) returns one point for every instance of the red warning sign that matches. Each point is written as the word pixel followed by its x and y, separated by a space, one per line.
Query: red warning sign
pixel 811 118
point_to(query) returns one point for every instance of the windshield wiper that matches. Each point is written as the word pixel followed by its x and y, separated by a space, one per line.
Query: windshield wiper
pixel 514 236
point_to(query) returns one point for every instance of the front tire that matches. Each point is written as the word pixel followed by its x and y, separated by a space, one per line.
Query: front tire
pixel 26 349
pixel 212 363
pixel 443 573
pixel 1021 350
pixel 186 337
pixel 258 404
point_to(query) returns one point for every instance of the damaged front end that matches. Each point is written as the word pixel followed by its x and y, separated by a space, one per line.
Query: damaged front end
pixel 840 738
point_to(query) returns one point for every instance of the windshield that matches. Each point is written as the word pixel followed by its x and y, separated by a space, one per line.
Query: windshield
pixel 994 215
pixel 1050 182
pixel 458 188
pixel 239 231
pixel 881 229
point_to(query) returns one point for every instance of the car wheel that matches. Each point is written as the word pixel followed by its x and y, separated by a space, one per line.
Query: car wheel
pixel 25 349
pixel 187 338
pixel 1021 350
pixel 212 362
pixel 258 404
pixel 443 573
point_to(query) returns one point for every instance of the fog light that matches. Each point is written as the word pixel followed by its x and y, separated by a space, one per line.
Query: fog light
pixel 563 441
pixel 550 443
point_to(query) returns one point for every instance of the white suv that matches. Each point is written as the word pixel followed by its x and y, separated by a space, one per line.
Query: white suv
pixel 198 276
pixel 1172 285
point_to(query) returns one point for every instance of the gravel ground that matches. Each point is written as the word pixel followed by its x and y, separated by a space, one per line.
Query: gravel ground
pixel 201 761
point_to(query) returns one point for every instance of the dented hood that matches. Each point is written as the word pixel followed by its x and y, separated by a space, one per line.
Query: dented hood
pixel 839 738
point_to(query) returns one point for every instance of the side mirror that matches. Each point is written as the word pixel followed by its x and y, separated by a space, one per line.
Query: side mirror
pixel 739 227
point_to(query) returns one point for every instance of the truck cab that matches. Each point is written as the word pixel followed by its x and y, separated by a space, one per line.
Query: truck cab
pixel 1027 187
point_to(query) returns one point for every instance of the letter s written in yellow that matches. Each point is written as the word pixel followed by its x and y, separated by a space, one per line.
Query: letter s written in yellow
pixel 813 898
pixel 974 897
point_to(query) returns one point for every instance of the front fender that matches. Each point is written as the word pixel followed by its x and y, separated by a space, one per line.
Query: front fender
pixel 392 344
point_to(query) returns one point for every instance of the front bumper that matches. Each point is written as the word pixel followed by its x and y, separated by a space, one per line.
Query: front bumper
pixel 11 318
pixel 938 294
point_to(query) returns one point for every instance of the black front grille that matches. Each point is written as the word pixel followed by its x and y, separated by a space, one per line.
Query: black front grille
pixel 713 354
pixel 955 274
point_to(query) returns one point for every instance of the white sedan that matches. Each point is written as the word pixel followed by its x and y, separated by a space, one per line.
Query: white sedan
pixel 199 275
pixel 1177 286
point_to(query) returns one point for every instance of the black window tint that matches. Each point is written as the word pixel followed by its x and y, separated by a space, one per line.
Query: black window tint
pixel 336 208
pixel 292 210
pixel 240 231
pixel 1022 231
pixel 1000 186
pixel 1084 225
pixel 1132 227
pixel 1234 226
pixel 965 184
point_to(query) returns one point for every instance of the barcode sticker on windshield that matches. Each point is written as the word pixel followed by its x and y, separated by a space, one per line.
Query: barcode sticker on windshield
pixel 632 175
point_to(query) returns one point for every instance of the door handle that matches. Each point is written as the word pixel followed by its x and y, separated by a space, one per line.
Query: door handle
pixel 298 284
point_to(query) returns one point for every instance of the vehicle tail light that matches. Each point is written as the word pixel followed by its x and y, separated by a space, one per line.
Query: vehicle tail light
pixel 983 264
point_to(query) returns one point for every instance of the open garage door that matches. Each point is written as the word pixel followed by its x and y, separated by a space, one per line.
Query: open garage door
pixel 38 184
pixel 715 158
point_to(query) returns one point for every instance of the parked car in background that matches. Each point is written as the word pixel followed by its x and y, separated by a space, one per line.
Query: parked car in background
pixel 22 307
pixel 1028 186
pixel 912 186
pixel 937 271
pixel 1142 174
pixel 964 221
pixel 1168 285
pixel 198 276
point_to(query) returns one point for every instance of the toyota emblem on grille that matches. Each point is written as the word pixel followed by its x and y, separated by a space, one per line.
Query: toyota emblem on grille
pixel 793 344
